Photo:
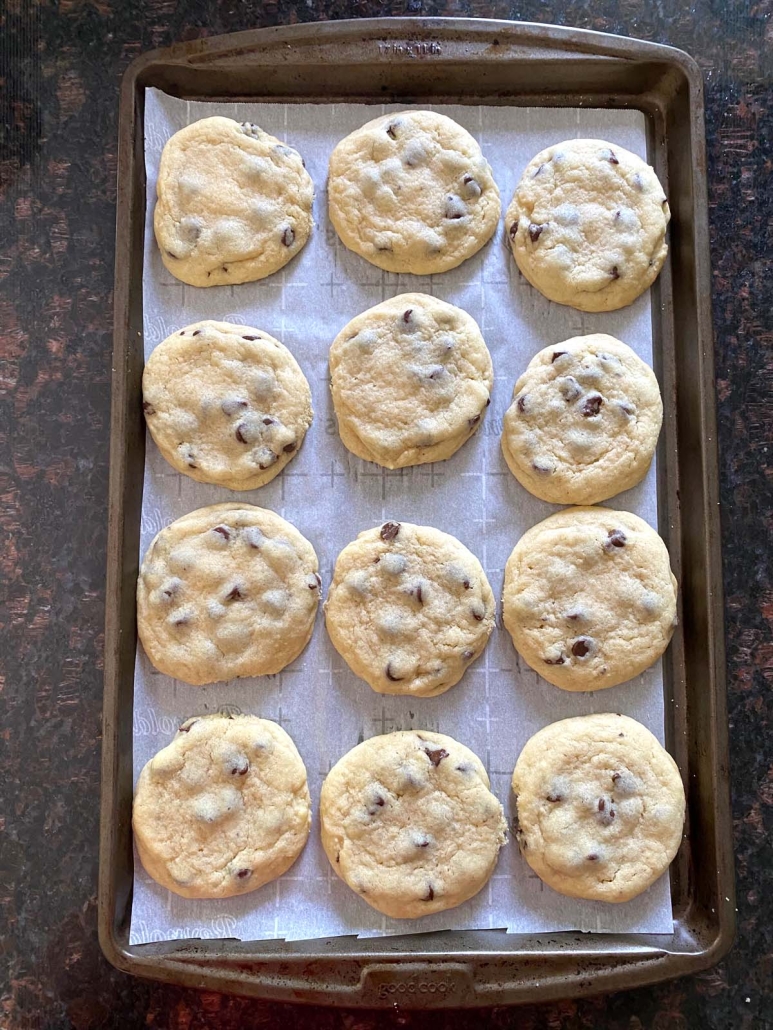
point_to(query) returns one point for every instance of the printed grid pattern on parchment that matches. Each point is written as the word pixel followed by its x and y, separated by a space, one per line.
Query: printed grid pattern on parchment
pixel 331 496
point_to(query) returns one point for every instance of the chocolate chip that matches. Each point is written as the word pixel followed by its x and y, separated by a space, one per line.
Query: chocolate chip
pixel 582 647
pixel 171 587
pixel 234 594
pixel 148 408
pixel 611 157
pixel 241 768
pixel 244 874
pixel 436 755
pixel 196 332
pixel 478 613
pixel 289 447
pixel 313 581
pixel 455 207
pixel 186 726
pixel 558 354
pixel 468 655
pixel 617 216
pixel 463 767
pixel 553 798
pixel 554 661
pixel 239 433
pixel 422 842
pixel 254 537
pixel 593 857
pixel 513 230
pixel 390 530
pixel 288 236
pixel 614 272
pixel 430 893
pixel 626 407
pixel 534 176
pixel 472 422
pixel 222 531
pixel 390 674
pixel 338 857
pixel 574 616
pixel 233 404
pixel 182 620
pixel 418 593
pixel 541 467
pixel 249 129
pixel 268 458
pixel 250 337
pixel 488 401
pixel 390 130
pixel 171 255
pixel 535 231
pixel 592 405
pixel 269 421
pixel 521 402
pixel 190 460
pixel 569 388
pixel 473 186
pixel 615 538
pixel 407 316
pixel 602 804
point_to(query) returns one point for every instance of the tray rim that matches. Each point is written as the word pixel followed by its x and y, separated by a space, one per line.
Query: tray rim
pixel 645 964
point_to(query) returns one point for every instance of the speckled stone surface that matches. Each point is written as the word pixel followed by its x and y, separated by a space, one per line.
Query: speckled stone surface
pixel 60 68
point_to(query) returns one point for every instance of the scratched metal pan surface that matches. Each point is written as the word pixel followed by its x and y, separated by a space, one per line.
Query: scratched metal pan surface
pixel 477 62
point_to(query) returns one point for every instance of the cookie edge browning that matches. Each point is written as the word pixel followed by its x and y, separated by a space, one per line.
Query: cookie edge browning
pixel 552 673
pixel 155 654
pixel 361 671
pixel 262 478
pixel 277 870
pixel 539 487
pixel 583 301
pixel 332 845
pixel 216 276
pixel 346 431
pixel 634 730
pixel 385 262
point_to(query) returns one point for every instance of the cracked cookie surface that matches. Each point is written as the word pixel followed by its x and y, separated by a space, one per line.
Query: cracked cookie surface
pixel 409 609
pixel 411 379
pixel 584 421
pixel 589 597
pixel 412 192
pixel 409 822
pixel 226 404
pixel 587 224
pixel 225 591
pixel 223 809
pixel 600 807
pixel 234 203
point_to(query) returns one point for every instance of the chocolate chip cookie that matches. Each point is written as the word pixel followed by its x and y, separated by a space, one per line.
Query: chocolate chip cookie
pixel 589 598
pixel 584 421
pixel 600 807
pixel 226 404
pixel 409 822
pixel 411 379
pixel 587 224
pixel 223 809
pixel 225 591
pixel 234 203
pixel 409 609
pixel 412 192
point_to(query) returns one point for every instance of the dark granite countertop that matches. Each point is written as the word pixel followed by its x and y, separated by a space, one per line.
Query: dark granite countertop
pixel 60 66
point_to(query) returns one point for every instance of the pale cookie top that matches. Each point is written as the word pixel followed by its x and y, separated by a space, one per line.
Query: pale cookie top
pixel 226 404
pixel 411 379
pixel 600 807
pixel 229 590
pixel 412 192
pixel 589 597
pixel 223 809
pixel 584 421
pixel 409 822
pixel 587 224
pixel 234 203
pixel 409 608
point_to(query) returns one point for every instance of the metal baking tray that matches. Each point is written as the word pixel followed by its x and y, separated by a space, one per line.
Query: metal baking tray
pixel 477 62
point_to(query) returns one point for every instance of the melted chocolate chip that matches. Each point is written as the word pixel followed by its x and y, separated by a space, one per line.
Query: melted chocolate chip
pixel 148 408
pixel 390 130
pixel 234 594
pixel 558 354
pixel 513 230
pixel 615 538
pixel 521 402
pixel 241 768
pixel 181 620
pixel 222 531
pixel 289 447
pixel 269 421
pixel 436 755
pixel 553 798
pixel 314 582
pixel 288 236
pixel 244 874
pixel 239 433
pixel 602 804
pixel 233 404
pixel 554 661
pixel 478 613
pixel 250 337
pixel 473 186
pixel 390 675
pixel 593 857
pixel 186 727
pixel 455 208
pixel 626 407
pixel 592 405
pixel 390 530
pixel 535 231
pixel 418 594
pixel 430 893
pixel 611 157
pixel 614 272
pixel 582 647
pixel 407 316
pixel 472 422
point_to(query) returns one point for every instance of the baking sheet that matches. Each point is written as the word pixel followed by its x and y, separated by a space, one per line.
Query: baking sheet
pixel 331 496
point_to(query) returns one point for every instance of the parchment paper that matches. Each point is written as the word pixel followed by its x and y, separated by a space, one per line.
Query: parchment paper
pixel 331 496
